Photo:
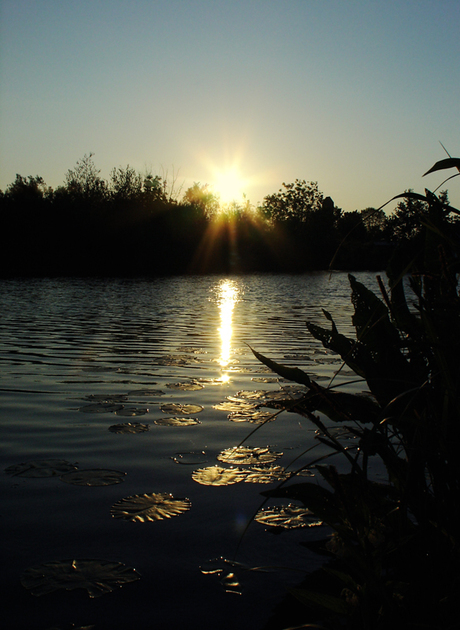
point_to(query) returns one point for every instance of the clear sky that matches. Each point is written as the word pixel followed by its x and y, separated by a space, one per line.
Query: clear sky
pixel 353 94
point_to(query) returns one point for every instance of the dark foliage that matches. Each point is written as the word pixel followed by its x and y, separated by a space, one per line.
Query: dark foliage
pixel 395 551
pixel 132 225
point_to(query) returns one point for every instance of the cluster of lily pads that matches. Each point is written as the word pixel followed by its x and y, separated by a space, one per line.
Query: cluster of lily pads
pixel 96 576
pixel 244 464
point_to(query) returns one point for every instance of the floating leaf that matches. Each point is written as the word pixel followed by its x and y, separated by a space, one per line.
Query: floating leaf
pixel 41 468
pixel 177 360
pixel 129 427
pixel 190 458
pixel 149 507
pixel 95 576
pixel 266 474
pixel 101 407
pixel 94 477
pixel 178 408
pixel 247 455
pixel 213 381
pixel 225 570
pixel 99 368
pixel 264 369
pixel 191 350
pixel 235 405
pixel 177 422
pixel 146 392
pixel 287 516
pixel 265 379
pixel 284 394
pixel 245 394
pixel 218 476
pixel 132 411
pixel 117 398
pixel 257 417
pixel 187 387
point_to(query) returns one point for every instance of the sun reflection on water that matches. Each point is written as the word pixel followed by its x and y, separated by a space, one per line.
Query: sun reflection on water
pixel 227 294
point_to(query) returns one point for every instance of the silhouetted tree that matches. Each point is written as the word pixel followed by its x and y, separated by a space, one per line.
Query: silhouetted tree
pixel 201 196
pixel 27 189
pixel 84 183
pixel 294 203
pixel 376 222
pixel 125 184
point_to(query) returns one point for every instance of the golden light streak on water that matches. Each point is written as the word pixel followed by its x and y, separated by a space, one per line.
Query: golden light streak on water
pixel 227 294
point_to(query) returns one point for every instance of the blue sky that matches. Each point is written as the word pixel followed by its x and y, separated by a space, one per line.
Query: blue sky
pixel 353 94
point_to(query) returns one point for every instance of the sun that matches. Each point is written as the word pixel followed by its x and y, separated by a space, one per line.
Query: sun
pixel 229 185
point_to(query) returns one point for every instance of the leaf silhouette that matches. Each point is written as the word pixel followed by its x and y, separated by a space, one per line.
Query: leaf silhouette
pixel 97 577
pixel 218 476
pixel 149 507
pixel 146 392
pixel 129 427
pixel 132 411
pixel 94 477
pixel 41 468
pixel 101 407
pixel 443 164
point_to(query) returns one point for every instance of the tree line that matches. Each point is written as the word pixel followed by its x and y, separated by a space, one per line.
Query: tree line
pixel 134 224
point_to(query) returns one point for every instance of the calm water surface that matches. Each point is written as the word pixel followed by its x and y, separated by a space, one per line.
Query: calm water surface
pixel 66 344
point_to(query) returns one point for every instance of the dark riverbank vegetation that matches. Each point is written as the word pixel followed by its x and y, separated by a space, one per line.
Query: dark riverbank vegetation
pixel 144 225
pixel 394 553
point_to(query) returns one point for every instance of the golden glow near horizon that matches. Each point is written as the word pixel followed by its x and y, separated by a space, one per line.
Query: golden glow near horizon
pixel 229 185
pixel 227 293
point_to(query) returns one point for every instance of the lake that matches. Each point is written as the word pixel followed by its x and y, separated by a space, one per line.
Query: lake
pixel 80 356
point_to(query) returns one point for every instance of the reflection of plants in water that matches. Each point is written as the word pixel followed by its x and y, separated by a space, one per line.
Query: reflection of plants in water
pixel 97 577
pixel 395 550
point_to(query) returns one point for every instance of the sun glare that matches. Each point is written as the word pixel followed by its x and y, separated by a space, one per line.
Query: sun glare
pixel 227 296
pixel 229 185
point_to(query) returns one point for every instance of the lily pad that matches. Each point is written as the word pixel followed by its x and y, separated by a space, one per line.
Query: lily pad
pixel 101 407
pixel 146 392
pixel 287 516
pixel 257 417
pixel 190 458
pixel 191 350
pixel 247 455
pixel 214 381
pixel 129 427
pixel 117 398
pixel 186 387
pixel 178 408
pixel 94 477
pixel 97 577
pixel 177 360
pixel 177 422
pixel 149 507
pixel 255 394
pixel 265 379
pixel 225 569
pixel 41 468
pixel 235 405
pixel 266 474
pixel 218 476
pixel 132 411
